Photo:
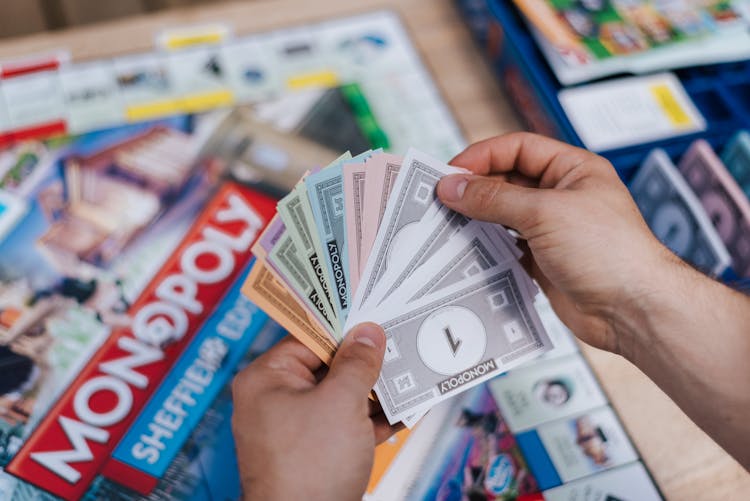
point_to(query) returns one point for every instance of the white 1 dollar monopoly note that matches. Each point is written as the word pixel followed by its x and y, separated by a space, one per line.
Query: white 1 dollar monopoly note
pixel 469 333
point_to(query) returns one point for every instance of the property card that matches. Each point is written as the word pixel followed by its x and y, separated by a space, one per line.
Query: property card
pixel 250 72
pixel 360 47
pixel 583 445
pixel 540 393
pixel 91 96
pixel 629 111
pixel 630 482
pixel 33 98
pixel 199 78
pixel 145 86
pixel 300 59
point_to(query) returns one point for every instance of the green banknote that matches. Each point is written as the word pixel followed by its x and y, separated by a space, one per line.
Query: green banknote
pixel 294 210
pixel 285 258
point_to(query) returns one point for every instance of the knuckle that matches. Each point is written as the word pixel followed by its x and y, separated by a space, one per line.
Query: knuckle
pixel 519 135
pixel 239 383
pixel 244 383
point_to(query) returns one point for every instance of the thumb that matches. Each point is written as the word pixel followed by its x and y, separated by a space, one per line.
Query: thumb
pixel 490 199
pixel 356 365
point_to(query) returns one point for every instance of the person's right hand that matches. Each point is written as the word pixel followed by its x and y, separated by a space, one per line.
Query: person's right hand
pixel 593 253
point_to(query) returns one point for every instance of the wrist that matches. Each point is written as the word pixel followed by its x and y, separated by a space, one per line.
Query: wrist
pixel 657 294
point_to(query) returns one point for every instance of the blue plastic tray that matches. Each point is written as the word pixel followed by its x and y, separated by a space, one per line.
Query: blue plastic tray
pixel 721 92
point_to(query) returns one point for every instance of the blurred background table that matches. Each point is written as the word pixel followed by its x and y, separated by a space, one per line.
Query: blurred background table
pixel 685 462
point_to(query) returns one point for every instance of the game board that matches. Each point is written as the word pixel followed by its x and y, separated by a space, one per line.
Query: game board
pixel 112 169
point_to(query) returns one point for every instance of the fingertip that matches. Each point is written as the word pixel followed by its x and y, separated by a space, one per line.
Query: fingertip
pixel 458 160
pixel 369 334
pixel 473 153
pixel 477 157
pixel 451 188
pixel 356 365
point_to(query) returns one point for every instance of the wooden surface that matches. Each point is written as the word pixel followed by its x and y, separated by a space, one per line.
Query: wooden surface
pixel 684 461
pixel 17 18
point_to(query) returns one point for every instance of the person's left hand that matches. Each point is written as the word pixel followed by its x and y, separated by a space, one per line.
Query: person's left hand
pixel 303 436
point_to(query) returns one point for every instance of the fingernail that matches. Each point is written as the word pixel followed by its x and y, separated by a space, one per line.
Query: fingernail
pixel 369 334
pixel 452 188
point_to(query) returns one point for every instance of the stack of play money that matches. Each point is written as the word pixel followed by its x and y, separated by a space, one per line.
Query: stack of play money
pixel 698 208
pixel 366 239
pixel 675 214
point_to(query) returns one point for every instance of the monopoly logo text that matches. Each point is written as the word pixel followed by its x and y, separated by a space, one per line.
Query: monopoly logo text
pixel 68 448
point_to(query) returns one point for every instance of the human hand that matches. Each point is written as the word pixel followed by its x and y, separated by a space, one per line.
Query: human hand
pixel 303 435
pixel 591 251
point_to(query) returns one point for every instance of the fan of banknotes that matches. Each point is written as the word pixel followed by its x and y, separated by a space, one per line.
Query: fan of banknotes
pixel 366 239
